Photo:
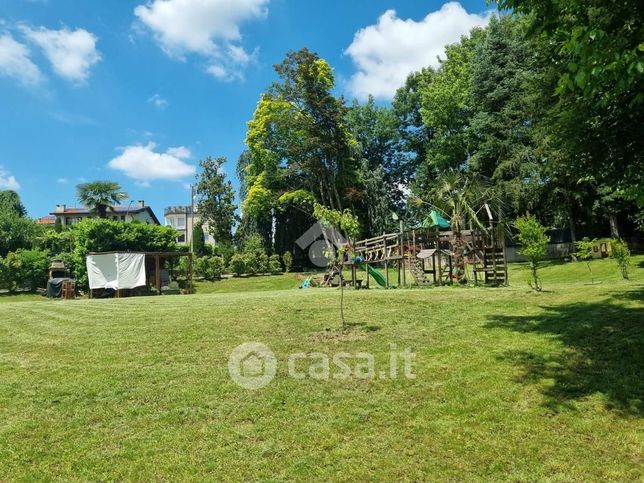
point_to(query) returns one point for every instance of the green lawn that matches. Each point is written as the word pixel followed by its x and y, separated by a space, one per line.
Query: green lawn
pixel 510 384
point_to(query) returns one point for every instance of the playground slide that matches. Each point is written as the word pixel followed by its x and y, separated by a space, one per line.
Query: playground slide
pixel 377 276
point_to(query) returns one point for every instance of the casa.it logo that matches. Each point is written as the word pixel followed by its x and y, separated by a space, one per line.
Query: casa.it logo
pixel 320 240
pixel 252 365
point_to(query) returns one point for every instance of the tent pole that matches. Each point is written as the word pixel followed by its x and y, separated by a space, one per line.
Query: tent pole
pixel 157 275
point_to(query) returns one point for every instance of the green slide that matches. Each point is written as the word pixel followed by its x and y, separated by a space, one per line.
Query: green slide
pixel 377 276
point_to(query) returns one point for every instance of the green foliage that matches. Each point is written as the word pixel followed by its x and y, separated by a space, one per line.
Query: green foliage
pixel 600 42
pixel 534 240
pixel 344 220
pixel 58 225
pixel 10 203
pixel 448 106
pixel 215 198
pixel 620 252
pixel 287 259
pixel 274 264
pixel 238 264
pixel 198 241
pixel 209 267
pixel 100 196
pixel 584 252
pixel 17 232
pixel 25 268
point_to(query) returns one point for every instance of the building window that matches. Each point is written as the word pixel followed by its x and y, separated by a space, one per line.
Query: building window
pixel 122 217
pixel 181 239
pixel 115 218
pixel 181 223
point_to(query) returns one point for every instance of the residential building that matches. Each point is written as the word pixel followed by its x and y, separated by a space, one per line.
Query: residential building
pixel 132 212
pixel 183 219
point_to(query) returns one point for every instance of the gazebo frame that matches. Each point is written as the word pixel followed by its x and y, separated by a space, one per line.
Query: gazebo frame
pixel 158 258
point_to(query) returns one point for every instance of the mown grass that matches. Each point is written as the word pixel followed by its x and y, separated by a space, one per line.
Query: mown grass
pixel 510 385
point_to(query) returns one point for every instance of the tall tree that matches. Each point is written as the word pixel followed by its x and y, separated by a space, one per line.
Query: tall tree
pixel 10 203
pixel 503 70
pixel 414 134
pixel 216 199
pixel 100 196
pixel 299 145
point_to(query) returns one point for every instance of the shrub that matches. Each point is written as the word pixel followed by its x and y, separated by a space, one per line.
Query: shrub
pixel 532 236
pixel 262 260
pixel 274 264
pixel 621 254
pixel 237 264
pixel 25 268
pixel 198 241
pixel 287 258
pixel 210 268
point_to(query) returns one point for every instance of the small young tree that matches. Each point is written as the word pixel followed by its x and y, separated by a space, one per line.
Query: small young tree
pixel 58 225
pixel 621 254
pixel 532 236
pixel 287 258
pixel 585 253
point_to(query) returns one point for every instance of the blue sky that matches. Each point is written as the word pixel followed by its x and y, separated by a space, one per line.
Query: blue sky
pixel 139 91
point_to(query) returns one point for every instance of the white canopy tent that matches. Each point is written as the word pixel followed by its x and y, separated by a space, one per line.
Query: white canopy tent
pixel 116 270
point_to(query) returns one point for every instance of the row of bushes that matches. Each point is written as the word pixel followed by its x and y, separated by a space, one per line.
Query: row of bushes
pixel 252 263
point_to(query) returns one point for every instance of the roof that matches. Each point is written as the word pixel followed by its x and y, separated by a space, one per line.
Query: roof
pixel 119 209
pixel 46 220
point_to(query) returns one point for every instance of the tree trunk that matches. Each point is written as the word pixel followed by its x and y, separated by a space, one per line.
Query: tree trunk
pixel 459 253
pixel 614 229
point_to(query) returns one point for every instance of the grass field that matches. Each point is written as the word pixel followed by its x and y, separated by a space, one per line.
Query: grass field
pixel 510 384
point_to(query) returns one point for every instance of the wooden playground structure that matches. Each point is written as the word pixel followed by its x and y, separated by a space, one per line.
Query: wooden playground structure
pixel 428 254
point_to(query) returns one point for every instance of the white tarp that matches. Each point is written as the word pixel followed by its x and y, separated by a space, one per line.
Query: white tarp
pixel 116 270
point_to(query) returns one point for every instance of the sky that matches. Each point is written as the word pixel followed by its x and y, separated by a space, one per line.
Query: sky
pixel 139 91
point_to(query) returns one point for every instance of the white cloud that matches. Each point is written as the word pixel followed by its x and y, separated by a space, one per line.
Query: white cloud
pixel 8 182
pixel 72 53
pixel 62 181
pixel 385 53
pixel 210 28
pixel 159 102
pixel 15 61
pixel 143 163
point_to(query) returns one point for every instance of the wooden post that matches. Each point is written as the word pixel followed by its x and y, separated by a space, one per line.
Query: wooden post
pixel 157 274
pixel 366 268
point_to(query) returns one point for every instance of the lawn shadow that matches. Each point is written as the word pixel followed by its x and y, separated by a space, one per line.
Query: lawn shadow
pixel 603 352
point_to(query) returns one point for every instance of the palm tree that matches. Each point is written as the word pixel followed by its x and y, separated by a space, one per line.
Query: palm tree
pixel 100 196
pixel 459 197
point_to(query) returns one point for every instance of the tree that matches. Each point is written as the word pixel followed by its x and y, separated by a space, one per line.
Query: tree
pixel 16 230
pixel 584 252
pixel 415 135
pixel 448 107
pixel 215 199
pixel 198 241
pixel 503 69
pixel 298 141
pixel 26 268
pixel 100 196
pixel 10 203
pixel 534 240
pixel 622 255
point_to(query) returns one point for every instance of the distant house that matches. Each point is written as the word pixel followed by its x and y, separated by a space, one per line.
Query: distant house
pixel 183 219
pixel 132 212
pixel 46 220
